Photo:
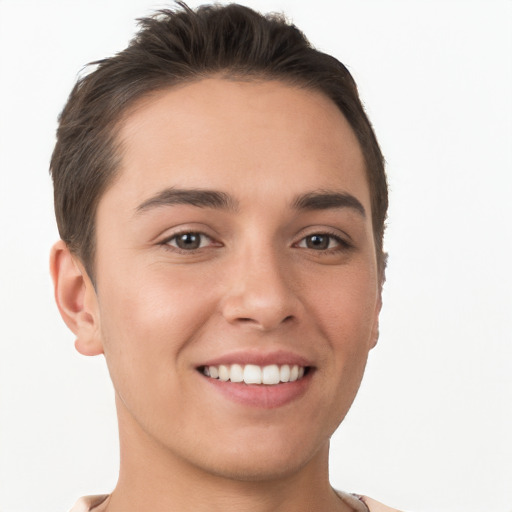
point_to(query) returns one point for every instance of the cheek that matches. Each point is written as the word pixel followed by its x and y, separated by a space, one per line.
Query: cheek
pixel 146 322
pixel 345 313
pixel 151 305
pixel 345 308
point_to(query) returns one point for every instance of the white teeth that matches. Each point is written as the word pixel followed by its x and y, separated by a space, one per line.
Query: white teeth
pixel 223 373
pixel 284 373
pixel 270 374
pixel 253 374
pixel 237 373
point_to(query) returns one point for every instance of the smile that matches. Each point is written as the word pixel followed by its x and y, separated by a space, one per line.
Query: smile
pixel 269 375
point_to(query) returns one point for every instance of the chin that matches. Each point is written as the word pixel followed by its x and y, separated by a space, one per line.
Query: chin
pixel 251 470
pixel 260 462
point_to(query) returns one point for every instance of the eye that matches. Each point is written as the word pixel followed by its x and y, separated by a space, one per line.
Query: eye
pixel 188 241
pixel 322 242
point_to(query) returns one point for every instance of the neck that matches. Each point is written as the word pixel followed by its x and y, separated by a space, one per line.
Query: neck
pixel 153 478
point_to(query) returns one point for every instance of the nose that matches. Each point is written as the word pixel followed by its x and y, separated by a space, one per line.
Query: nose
pixel 261 292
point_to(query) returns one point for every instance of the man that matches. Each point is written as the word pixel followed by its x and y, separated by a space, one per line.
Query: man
pixel 221 200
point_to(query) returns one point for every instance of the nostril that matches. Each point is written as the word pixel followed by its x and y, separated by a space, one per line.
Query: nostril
pixel 265 323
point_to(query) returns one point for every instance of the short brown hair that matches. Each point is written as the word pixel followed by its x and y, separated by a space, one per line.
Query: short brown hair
pixel 179 46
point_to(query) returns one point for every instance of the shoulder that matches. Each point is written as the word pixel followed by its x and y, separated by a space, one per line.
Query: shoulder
pixel 375 506
pixel 90 503
pixel 363 503
pixel 97 503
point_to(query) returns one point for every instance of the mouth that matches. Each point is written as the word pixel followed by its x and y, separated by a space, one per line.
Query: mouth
pixel 256 380
pixel 251 374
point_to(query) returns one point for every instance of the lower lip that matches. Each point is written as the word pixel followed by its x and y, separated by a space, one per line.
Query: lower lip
pixel 260 395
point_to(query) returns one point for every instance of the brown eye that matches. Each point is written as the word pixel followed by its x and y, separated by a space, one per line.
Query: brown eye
pixel 188 241
pixel 321 242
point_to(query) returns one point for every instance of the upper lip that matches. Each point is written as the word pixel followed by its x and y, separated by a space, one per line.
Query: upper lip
pixel 259 358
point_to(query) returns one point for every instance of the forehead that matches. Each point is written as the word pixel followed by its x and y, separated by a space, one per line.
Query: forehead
pixel 218 133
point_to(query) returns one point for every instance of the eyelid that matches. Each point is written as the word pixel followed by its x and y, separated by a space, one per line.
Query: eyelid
pixel 182 228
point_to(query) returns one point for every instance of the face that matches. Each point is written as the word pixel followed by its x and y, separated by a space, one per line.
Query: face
pixel 234 248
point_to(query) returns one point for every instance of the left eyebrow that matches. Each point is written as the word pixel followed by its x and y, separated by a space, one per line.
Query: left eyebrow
pixel 202 198
pixel 326 200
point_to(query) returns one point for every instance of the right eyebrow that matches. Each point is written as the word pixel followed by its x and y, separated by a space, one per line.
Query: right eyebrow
pixel 202 198
pixel 328 199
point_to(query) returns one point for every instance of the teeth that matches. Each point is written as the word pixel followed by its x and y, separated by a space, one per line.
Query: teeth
pixel 236 373
pixel 223 373
pixel 284 373
pixel 270 374
pixel 253 374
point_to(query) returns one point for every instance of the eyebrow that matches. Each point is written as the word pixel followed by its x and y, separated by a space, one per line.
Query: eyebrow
pixel 204 198
pixel 326 199
pixel 194 197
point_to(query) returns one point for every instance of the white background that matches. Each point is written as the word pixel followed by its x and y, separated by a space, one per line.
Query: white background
pixel 431 429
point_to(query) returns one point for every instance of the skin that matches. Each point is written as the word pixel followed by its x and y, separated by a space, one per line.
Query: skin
pixel 255 283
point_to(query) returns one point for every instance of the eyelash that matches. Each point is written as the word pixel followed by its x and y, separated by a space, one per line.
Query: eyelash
pixel 342 244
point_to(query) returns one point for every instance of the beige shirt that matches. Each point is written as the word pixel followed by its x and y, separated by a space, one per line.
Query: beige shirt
pixel 358 503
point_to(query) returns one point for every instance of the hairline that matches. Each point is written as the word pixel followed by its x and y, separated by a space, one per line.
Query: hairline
pixel 146 96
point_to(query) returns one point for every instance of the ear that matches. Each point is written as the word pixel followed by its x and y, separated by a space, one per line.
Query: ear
pixel 378 306
pixel 76 299
pixel 375 328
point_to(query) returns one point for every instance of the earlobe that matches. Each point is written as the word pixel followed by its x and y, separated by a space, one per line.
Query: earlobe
pixel 76 299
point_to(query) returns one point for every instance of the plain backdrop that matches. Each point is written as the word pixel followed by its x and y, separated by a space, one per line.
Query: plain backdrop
pixel 431 429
